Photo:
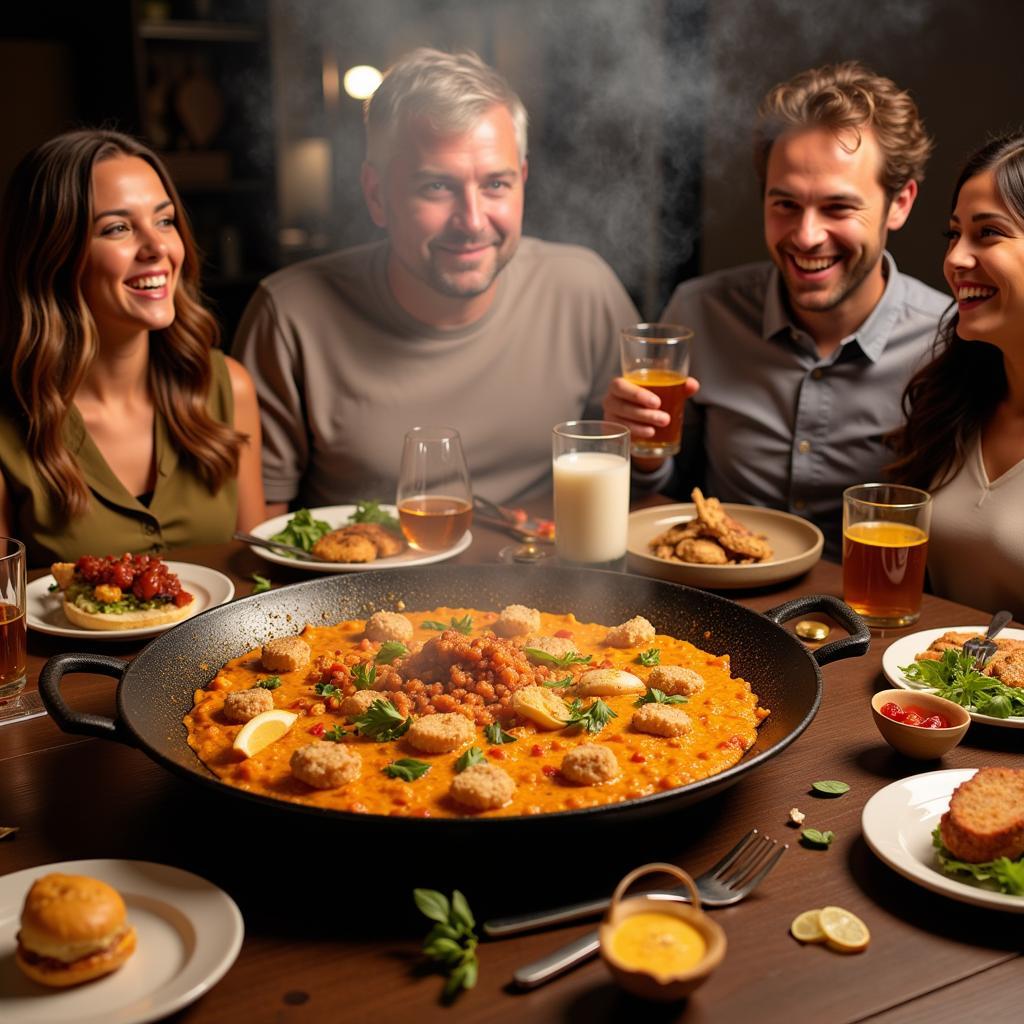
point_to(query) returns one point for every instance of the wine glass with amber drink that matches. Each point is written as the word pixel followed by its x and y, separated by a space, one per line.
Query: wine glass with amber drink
pixel 435 503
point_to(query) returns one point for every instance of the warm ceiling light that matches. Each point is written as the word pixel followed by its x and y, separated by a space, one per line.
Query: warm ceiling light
pixel 361 81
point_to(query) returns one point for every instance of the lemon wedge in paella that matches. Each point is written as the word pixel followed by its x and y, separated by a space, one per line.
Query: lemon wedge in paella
pixel 261 731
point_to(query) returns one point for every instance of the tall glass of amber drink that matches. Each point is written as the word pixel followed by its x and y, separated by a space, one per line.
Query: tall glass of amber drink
pixel 657 357
pixel 885 551
pixel 13 634
pixel 435 503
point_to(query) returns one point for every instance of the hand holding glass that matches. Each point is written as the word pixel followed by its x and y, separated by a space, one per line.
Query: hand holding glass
pixel 590 463
pixel 657 357
pixel 435 503
pixel 885 551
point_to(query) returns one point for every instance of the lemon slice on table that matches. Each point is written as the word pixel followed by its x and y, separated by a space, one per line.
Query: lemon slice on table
pixel 261 731
pixel 844 931
pixel 806 927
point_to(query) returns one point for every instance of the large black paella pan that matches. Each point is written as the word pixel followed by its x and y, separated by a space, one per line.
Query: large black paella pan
pixel 155 690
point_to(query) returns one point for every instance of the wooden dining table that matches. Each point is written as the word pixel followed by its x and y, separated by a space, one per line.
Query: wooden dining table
pixel 331 932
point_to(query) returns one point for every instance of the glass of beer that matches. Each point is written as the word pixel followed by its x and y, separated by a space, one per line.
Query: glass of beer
pixel 435 503
pixel 13 637
pixel 590 465
pixel 885 550
pixel 657 357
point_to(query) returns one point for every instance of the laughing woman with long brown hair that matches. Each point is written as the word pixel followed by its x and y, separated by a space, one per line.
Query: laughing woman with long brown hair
pixel 964 435
pixel 122 427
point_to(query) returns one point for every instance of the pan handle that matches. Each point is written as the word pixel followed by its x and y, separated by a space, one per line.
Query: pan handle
pixel 852 646
pixel 80 722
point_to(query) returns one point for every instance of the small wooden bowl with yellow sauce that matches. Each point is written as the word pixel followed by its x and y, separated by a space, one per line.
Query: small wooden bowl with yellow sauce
pixel 656 948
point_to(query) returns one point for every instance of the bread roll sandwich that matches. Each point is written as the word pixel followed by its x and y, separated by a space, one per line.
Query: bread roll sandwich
pixel 130 592
pixel 73 929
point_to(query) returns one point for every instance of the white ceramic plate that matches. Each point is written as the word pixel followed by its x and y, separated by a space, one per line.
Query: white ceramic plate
pixel 337 516
pixel 902 651
pixel 189 934
pixel 898 822
pixel 46 615
pixel 796 544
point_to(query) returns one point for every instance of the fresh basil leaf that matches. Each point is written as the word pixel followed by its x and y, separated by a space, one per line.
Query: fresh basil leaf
pixel 556 661
pixel 432 904
pixel 261 583
pixel 816 838
pixel 558 684
pixel 649 658
pixel 433 624
pixel 463 625
pixel 461 913
pixel 471 757
pixel 830 787
pixel 407 768
pixel 389 651
pixel 496 735
pixel 270 683
pixel 656 696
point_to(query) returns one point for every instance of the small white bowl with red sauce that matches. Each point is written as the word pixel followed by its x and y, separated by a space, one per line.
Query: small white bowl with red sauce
pixel 919 725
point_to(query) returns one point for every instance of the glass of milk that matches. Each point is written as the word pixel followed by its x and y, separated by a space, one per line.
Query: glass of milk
pixel 590 463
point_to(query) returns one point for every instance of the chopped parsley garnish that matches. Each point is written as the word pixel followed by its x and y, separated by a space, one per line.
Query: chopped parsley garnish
pixel 463 625
pixel 389 651
pixel 302 530
pixel 452 941
pixel 260 583
pixel 270 683
pixel 649 658
pixel 554 660
pixel 559 684
pixel 407 768
pixel 656 696
pixel 593 718
pixel 327 690
pixel 371 512
pixel 335 734
pixel 1007 875
pixel 364 675
pixel 471 757
pixel 496 735
pixel 955 678
pixel 382 722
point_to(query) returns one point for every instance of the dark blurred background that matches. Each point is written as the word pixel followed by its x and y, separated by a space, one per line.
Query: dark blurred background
pixel 640 111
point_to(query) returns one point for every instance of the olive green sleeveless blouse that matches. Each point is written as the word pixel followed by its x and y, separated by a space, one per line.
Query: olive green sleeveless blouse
pixel 182 510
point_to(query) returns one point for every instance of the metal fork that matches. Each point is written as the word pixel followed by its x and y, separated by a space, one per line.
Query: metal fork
pixel 278 546
pixel 982 648
pixel 735 876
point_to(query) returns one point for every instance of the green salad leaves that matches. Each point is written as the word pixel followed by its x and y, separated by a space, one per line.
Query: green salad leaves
pixel 955 678
pixel 1005 874
pixel 302 530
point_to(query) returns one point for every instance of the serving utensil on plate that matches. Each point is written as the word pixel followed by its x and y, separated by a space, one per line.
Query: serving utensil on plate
pixel 982 648
pixel 277 545
pixel 728 881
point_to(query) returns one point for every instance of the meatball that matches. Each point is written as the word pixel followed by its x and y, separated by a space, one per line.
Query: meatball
pixel 674 679
pixel 246 704
pixel 661 720
pixel 590 764
pixel 517 620
pixel 384 626
pixel 339 546
pixel 557 646
pixel 631 634
pixel 285 654
pixel 441 733
pixel 326 765
pixel 359 702
pixel 483 787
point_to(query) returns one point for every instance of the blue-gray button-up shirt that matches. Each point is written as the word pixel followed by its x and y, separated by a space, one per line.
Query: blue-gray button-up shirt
pixel 774 423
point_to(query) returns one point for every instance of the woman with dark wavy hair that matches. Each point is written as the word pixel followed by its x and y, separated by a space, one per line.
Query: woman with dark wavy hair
pixel 122 427
pixel 964 435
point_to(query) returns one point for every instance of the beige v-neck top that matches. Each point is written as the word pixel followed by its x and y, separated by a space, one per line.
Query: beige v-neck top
pixel 182 510
pixel 976 549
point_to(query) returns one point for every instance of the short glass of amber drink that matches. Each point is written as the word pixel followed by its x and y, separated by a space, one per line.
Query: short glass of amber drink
pixel 13 636
pixel 885 551
pixel 657 357
pixel 435 503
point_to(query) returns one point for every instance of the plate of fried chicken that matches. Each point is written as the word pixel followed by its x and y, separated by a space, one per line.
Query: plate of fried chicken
pixel 720 546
